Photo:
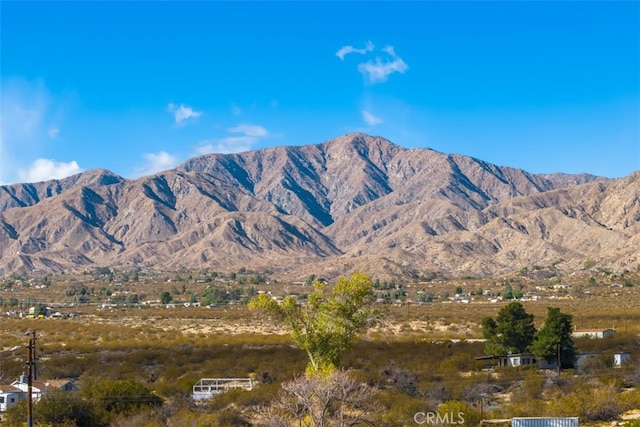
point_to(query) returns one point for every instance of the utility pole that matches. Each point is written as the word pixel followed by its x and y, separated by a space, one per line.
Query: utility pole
pixel 31 374
pixel 558 362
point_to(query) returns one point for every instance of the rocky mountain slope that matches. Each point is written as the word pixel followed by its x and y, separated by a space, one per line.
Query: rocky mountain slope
pixel 354 202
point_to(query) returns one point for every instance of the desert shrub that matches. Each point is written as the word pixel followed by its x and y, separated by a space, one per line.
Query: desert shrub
pixel 143 419
pixel 631 374
pixel 111 398
pixel 460 361
pixel 475 392
pixel 630 399
pixel 524 407
pixel 595 365
pixel 532 386
pixel 230 398
pixel 623 339
pixel 398 409
pixel 436 393
pixel 60 408
pixel 459 413
pixel 229 417
pixel 404 380
pixel 15 415
pixel 333 399
pixel 589 403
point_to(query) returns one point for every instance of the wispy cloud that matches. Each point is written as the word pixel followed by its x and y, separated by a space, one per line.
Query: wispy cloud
pixel 378 69
pixel 182 113
pixel 345 50
pixel 370 119
pixel 249 136
pixel 250 130
pixel 28 112
pixel 155 163
pixel 235 110
pixel 24 109
pixel 47 169
pixel 53 132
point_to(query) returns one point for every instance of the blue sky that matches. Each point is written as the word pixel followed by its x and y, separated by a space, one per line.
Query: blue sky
pixel 139 87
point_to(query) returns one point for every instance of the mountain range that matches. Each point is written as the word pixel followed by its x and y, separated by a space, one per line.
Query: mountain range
pixel 356 202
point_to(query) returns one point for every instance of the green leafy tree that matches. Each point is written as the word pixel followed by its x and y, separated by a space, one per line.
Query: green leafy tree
pixel 555 338
pixel 511 331
pixel 330 321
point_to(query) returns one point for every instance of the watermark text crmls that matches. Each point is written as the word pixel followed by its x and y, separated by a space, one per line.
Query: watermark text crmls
pixel 438 419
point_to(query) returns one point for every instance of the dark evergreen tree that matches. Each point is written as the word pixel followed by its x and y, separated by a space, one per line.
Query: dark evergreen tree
pixel 511 331
pixel 554 339
pixel 166 297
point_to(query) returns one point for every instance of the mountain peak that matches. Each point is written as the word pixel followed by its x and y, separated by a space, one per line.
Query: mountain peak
pixel 362 139
pixel 353 202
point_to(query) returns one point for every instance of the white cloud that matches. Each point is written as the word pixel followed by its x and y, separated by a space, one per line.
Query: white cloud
pixel 249 136
pixel 156 163
pixel 380 69
pixel 345 50
pixel 182 113
pixel 47 169
pixel 250 130
pixel 370 119
pixel 53 132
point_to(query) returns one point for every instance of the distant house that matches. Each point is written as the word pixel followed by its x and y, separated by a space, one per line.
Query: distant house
pixel 518 359
pixel 593 333
pixel 9 396
pixel 38 388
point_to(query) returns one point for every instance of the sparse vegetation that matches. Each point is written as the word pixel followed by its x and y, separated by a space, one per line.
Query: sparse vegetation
pixel 418 358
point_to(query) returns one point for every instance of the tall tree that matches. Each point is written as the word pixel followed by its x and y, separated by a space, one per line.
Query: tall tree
pixel 511 331
pixel 554 339
pixel 328 323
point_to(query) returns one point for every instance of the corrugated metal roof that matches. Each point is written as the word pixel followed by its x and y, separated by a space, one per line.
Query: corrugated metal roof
pixel 545 422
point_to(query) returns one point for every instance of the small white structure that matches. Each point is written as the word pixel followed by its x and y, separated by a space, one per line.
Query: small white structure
pixel 593 333
pixel 38 388
pixel 206 388
pixel 520 359
pixel 9 396
pixel 620 358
